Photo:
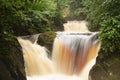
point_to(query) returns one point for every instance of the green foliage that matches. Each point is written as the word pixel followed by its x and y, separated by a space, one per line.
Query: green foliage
pixel 24 17
pixel 60 11
pixel 62 4
pixel 95 11
pixel 99 10
pixel 104 16
pixel 110 34
pixel 76 9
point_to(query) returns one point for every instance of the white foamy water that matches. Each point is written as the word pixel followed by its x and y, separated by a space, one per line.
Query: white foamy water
pixel 54 77
pixel 76 26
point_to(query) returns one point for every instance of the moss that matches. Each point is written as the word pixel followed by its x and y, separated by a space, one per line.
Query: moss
pixel 11 61
pixel 107 69
pixel 46 39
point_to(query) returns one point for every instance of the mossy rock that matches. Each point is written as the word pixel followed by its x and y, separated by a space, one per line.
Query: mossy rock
pixel 11 61
pixel 46 39
pixel 107 69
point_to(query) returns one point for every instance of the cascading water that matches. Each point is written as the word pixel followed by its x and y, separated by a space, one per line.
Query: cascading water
pixel 73 55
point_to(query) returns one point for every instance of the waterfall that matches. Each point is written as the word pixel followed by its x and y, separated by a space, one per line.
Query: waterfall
pixel 74 54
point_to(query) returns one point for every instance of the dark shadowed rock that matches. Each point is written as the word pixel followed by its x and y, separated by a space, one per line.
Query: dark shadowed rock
pixel 11 61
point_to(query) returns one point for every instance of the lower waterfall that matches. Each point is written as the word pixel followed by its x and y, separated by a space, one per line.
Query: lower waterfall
pixel 73 56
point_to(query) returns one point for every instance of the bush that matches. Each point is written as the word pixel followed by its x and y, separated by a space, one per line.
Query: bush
pixel 104 16
pixel 110 35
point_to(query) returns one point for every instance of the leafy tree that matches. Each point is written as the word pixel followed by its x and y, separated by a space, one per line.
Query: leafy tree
pixel 110 35
pixel 25 16
pixel 104 15
pixel 76 9
pixel 61 6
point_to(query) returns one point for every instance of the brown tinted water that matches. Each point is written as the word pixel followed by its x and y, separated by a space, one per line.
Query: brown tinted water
pixel 74 54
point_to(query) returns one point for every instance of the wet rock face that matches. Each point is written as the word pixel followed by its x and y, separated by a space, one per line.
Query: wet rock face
pixel 109 69
pixel 11 63
pixel 4 73
pixel 10 70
